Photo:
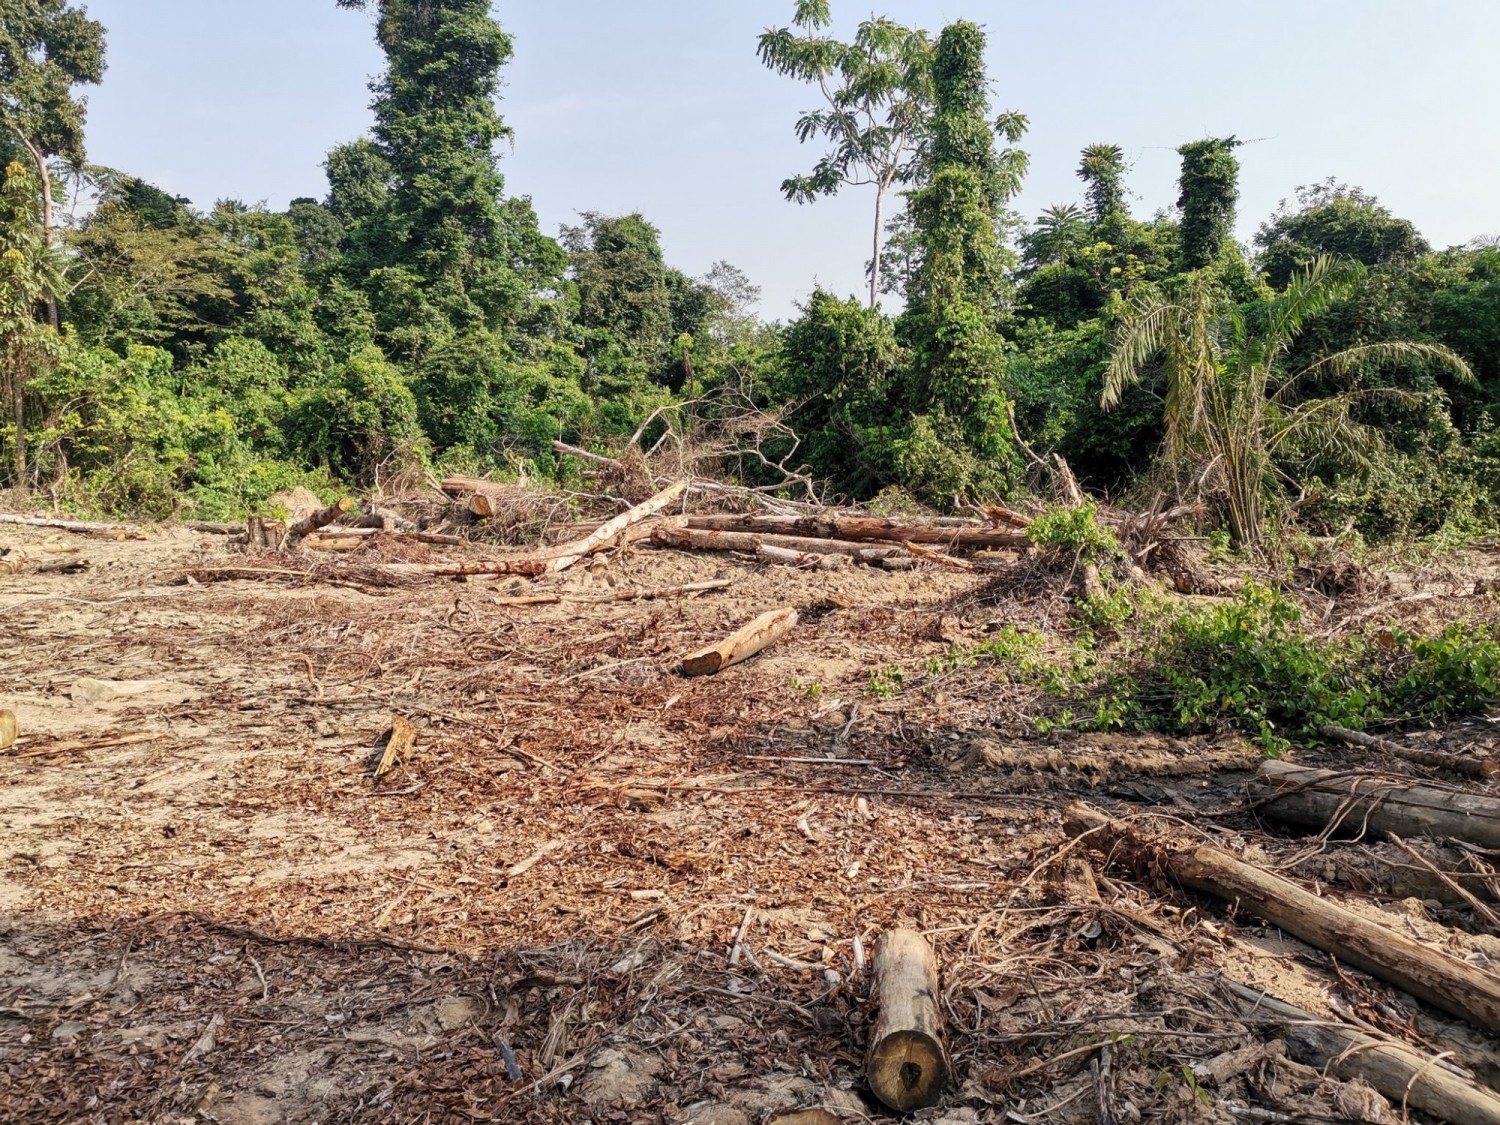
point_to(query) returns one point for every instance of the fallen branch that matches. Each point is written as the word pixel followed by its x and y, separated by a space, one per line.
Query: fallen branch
pixel 802 560
pixel 1395 1071
pixel 414 536
pixel 906 1066
pixel 564 556
pixel 1445 982
pixel 1362 803
pixel 599 459
pixel 861 529
pixel 398 746
pixel 742 644
pixel 1481 769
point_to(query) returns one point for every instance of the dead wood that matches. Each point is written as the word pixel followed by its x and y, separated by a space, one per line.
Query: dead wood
pixel 1481 769
pixel 10 730
pixel 564 556
pixel 907 1066
pixel 742 644
pixel 1445 982
pixel 688 590
pixel 750 543
pixel 321 518
pixel 209 528
pixel 63 566
pixel 803 560
pixel 76 526
pixel 414 536
pixel 1393 1069
pixel 399 741
pixel 321 542
pixel 862 529
pixel 264 534
pixel 1358 803
pixel 599 459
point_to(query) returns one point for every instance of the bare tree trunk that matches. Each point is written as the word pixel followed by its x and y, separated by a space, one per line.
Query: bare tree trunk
pixel 46 177
pixel 18 402
pixel 880 189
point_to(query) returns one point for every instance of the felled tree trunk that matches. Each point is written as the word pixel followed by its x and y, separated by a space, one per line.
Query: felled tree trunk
pixel 1373 805
pixel 1395 1071
pixel 1428 974
pixel 321 518
pixel 1479 769
pixel 906 1065
pixel 742 644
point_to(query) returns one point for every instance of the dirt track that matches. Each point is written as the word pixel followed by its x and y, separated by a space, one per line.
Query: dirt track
pixel 213 913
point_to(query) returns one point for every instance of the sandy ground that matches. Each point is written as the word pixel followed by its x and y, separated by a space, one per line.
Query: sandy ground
pixel 211 912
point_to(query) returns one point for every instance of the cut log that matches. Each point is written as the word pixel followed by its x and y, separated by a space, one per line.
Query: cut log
pixel 76 526
pixel 742 644
pixel 1430 975
pixel 381 518
pixel 860 529
pixel 906 1065
pixel 803 560
pixel 564 556
pixel 207 528
pixel 321 518
pixel 1480 769
pixel 689 590
pixel 1364 803
pixel 415 536
pixel 10 730
pixel 1396 1071
pixel 326 542
pixel 457 485
pixel 750 543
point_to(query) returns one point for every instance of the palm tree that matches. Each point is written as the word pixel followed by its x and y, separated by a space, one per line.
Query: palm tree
pixel 1230 407
pixel 1060 230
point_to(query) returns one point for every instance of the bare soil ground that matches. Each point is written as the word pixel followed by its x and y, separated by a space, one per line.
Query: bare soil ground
pixel 210 911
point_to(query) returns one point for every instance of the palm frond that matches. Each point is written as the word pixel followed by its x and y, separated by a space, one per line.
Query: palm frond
pixel 1310 292
pixel 1149 329
pixel 1343 362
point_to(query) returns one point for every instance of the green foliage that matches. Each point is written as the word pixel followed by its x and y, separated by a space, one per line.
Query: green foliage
pixel 1209 191
pixel 47 47
pixel 1453 674
pixel 1338 221
pixel 886 683
pixel 1075 530
pixel 1103 169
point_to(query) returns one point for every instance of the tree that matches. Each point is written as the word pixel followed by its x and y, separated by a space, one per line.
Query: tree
pixel 877 103
pixel 47 47
pixel 1061 231
pixel 953 384
pixel 427 190
pixel 1336 220
pixel 1231 410
pixel 624 301
pixel 28 276
pixel 1209 191
pixel 1102 168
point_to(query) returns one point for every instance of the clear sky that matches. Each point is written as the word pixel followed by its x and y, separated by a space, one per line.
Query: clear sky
pixel 661 106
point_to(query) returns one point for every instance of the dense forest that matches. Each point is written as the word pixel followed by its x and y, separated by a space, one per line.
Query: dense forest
pixel 165 358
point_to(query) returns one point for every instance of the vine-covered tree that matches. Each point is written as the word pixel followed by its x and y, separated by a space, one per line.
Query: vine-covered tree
pixel 1209 191
pixel 1102 169
pixel 28 276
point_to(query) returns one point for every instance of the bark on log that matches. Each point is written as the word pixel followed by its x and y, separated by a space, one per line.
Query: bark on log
pixel 458 485
pixel 1364 803
pixel 414 536
pixel 565 555
pixel 207 528
pixel 265 534
pixel 321 518
pixel 750 543
pixel 863 529
pixel 691 589
pixel 742 644
pixel 1397 1072
pixel 1480 769
pixel 1444 982
pixel 906 1065
pixel 76 526
pixel 382 519
pixel 324 542
pixel 803 560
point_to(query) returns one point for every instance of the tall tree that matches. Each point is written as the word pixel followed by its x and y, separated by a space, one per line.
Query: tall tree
pixel 47 47
pixel 1337 220
pixel 876 95
pixel 429 184
pixel 1102 169
pixel 1209 190
pixel 27 277
pixel 951 323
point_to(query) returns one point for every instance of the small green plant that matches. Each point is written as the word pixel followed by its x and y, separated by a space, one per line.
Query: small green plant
pixel 1074 530
pixel 810 688
pixel 1219 549
pixel 1454 673
pixel 886 683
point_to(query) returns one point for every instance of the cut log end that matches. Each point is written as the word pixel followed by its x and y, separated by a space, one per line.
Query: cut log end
pixel 907 1070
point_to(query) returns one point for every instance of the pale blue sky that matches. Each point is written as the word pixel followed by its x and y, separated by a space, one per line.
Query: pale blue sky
pixel 661 106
